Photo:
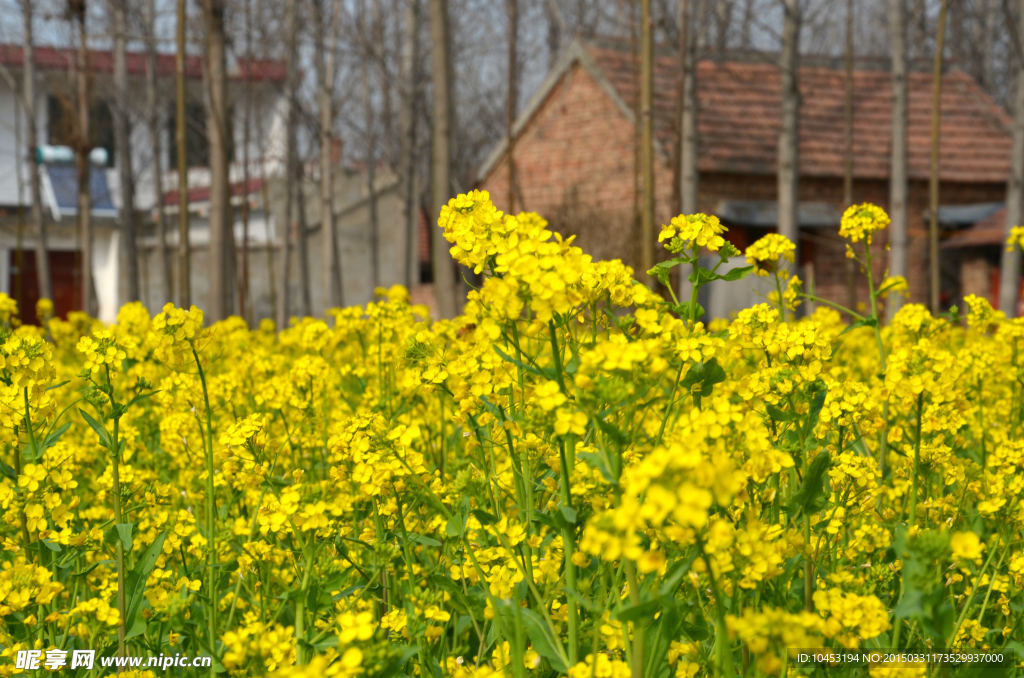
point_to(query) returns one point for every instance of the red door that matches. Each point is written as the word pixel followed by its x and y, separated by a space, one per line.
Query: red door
pixel 24 285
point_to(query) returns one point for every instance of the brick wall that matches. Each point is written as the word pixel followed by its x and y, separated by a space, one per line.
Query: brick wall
pixel 576 165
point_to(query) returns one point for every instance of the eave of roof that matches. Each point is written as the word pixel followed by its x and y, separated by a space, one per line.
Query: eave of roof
pixel 738 124
pixel 50 58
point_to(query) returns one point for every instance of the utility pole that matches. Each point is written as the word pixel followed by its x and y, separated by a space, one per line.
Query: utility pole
pixel 441 183
pixel 898 165
pixel 933 181
pixel 1009 278
pixel 789 134
pixel 123 142
pixel 29 95
pixel 184 254
pixel 647 140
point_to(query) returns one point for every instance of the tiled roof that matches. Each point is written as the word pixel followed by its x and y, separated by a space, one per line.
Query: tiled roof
pixel 102 61
pixel 990 232
pixel 201 194
pixel 739 111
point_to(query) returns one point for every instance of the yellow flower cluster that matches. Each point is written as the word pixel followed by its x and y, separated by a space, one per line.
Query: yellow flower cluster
pixel 860 221
pixel 695 230
pixel 571 478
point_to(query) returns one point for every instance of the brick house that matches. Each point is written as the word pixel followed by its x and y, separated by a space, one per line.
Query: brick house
pixel 576 152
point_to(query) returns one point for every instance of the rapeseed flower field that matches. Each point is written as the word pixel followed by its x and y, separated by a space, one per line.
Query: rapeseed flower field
pixel 576 477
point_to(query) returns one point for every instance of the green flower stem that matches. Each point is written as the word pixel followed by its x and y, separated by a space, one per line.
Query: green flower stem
pixel 723 653
pixel 637 660
pixel 121 607
pixel 917 464
pixel 568 547
pixel 211 559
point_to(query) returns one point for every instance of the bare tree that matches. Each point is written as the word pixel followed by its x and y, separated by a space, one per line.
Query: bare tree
pixel 933 183
pixel 723 19
pixel 29 102
pixel 688 176
pixel 513 93
pixel 221 250
pixel 898 159
pixel 184 253
pixel 647 139
pixel 371 145
pixel 331 273
pixel 410 212
pixel 153 123
pixel 77 11
pixel 789 133
pixel 244 296
pixel 556 26
pixel 290 163
pixel 1009 277
pixel 851 268
pixel 122 140
pixel 748 20
pixel 444 273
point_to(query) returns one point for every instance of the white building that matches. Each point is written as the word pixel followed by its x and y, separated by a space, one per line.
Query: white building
pixel 255 86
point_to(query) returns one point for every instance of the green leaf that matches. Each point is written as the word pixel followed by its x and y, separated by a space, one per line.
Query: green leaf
pixel 453 528
pixel 701 378
pixel 135 586
pixel 139 398
pixel 98 428
pixel 778 415
pixel 596 461
pixel 521 365
pixel 863 322
pixel 812 418
pixel 737 273
pixel 124 531
pixel 51 545
pixel 612 431
pixel 683 310
pixel 420 539
pixel 56 386
pixel 544 643
pixel 810 497
pixel 638 612
pixel 484 517
pixel 569 513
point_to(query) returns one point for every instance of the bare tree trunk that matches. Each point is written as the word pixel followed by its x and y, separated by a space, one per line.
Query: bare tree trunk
pixel 1009 275
pixel 371 151
pixel 284 306
pixel 330 275
pixel 244 295
pixel 687 173
pixel 122 139
pixel 29 95
pixel 556 25
pixel 221 251
pixel 184 249
pixel 748 19
pixel 82 162
pixel 153 123
pixel 690 174
pixel 444 272
pixel 408 145
pixel 920 23
pixel 513 102
pixel 723 17
pixel 987 38
pixel 851 268
pixel 933 183
pixel 898 168
pixel 789 134
pixel 647 140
